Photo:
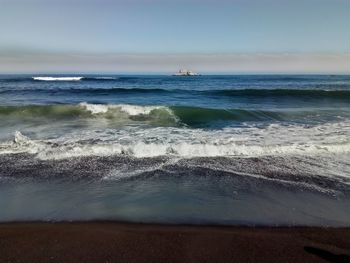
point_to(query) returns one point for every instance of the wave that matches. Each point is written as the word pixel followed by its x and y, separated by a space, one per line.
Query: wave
pixel 120 90
pixel 312 93
pixel 95 91
pixel 337 94
pixel 102 78
pixel 112 114
pixel 131 110
pixel 194 116
pixel 58 78
pixel 200 117
pixel 274 140
pixel 162 115
pixel 79 78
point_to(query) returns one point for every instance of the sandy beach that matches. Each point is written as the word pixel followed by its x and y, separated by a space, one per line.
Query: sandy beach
pixel 124 242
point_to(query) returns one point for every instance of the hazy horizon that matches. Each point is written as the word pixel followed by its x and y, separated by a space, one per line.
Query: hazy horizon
pixel 153 36
pixel 170 63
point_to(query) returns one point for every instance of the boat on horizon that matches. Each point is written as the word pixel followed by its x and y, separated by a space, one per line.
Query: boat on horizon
pixel 186 72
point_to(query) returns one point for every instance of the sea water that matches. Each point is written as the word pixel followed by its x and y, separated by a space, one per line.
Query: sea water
pixel 246 150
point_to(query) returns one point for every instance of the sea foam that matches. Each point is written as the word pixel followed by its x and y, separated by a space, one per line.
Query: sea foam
pixel 58 78
pixel 131 110
pixel 273 140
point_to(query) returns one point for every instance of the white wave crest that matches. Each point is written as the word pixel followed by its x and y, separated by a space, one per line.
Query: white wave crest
pixel 22 144
pixel 274 140
pixel 20 138
pixel 186 150
pixel 131 110
pixel 94 108
pixel 58 78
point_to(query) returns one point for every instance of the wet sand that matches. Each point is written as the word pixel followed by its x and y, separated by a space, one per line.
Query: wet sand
pixel 122 242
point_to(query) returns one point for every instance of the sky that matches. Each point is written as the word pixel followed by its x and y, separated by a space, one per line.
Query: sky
pixel 237 36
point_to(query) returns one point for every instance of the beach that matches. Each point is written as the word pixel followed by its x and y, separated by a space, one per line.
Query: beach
pixel 117 168
pixel 124 242
pixel 174 131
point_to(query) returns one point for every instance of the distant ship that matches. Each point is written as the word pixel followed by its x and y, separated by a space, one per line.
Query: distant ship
pixel 186 72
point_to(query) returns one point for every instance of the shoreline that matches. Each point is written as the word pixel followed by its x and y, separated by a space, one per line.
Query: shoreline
pixel 110 241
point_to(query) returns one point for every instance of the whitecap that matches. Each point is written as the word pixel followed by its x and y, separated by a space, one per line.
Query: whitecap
pixel 58 78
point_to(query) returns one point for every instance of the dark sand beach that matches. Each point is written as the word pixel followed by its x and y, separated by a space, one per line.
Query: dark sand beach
pixel 177 154
pixel 124 242
pixel 174 131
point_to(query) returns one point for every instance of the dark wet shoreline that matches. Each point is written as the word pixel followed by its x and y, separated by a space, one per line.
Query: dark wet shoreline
pixel 282 171
pixel 221 191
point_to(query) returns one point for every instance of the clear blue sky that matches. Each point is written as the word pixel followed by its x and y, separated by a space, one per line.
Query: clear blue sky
pixel 175 27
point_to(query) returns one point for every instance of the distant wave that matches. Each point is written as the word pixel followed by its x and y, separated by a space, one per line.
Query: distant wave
pixel 121 90
pixel 313 93
pixel 336 94
pixel 80 78
pixel 105 78
pixel 96 91
pixel 58 78
pixel 102 78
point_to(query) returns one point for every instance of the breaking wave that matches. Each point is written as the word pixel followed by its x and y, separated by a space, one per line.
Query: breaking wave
pixel 250 141
pixel 162 115
pixel 73 78
pixel 159 115
pixel 58 78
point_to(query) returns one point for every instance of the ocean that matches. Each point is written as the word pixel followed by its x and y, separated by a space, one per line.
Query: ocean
pixel 225 150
